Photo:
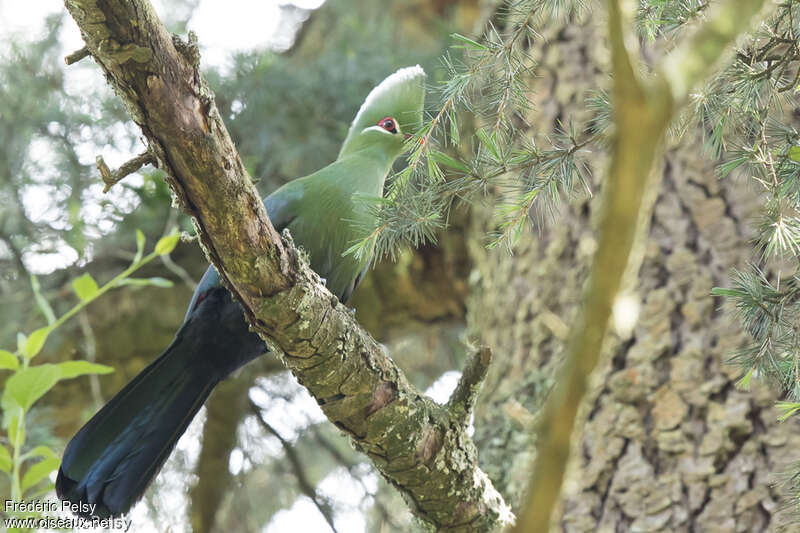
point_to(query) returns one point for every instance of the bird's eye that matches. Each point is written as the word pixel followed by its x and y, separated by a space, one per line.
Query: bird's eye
pixel 388 124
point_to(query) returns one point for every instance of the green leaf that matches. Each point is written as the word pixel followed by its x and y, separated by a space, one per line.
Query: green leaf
pixel 788 408
pixel 5 459
pixel 38 472
pixel 21 340
pixel 41 301
pixel 744 383
pixel 724 291
pixel 434 172
pixel 468 42
pixel 30 384
pixel 455 137
pixel 140 240
pixel 72 369
pixel 8 360
pixel 444 159
pixel 39 451
pixel 166 244
pixel 155 282
pixel 490 142
pixel 794 153
pixel 35 342
pixel 85 287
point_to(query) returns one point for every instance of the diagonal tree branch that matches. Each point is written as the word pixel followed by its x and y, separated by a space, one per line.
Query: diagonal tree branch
pixel 418 446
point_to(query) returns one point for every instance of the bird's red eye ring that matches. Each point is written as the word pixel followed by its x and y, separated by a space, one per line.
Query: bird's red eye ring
pixel 389 124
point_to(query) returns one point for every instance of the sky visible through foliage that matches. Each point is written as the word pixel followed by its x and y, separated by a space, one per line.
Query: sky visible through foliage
pixel 222 32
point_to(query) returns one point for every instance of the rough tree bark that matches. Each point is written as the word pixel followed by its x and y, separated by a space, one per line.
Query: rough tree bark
pixel 670 444
pixel 421 448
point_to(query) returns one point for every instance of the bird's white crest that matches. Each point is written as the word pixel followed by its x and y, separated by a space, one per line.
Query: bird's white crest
pixel 387 86
pixel 400 96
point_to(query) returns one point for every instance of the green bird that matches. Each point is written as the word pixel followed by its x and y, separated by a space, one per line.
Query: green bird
pixel 112 459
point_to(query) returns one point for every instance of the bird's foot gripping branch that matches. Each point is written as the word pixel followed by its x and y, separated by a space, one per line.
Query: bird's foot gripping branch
pixel 420 447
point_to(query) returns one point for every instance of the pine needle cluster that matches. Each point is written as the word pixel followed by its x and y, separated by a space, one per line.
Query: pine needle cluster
pixel 474 143
pixel 747 113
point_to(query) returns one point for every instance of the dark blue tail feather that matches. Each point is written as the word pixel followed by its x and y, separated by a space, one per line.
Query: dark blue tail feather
pixel 111 461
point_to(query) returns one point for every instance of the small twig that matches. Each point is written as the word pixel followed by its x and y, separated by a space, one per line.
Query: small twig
pixel 129 167
pixel 76 56
pixel 463 398
pixel 297 465
pixel 91 356
pixel 352 466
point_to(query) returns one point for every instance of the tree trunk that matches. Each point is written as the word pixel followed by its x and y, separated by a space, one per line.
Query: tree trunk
pixel 669 443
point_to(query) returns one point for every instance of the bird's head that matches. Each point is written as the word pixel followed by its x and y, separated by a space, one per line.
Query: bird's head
pixel 391 113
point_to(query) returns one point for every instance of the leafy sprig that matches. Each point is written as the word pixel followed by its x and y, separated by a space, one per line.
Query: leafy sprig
pixel 487 80
pixel 29 382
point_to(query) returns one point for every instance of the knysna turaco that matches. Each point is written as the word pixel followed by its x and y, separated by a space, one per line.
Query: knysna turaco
pixel 114 457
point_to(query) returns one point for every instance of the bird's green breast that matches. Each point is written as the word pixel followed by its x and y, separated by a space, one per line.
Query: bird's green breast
pixel 333 214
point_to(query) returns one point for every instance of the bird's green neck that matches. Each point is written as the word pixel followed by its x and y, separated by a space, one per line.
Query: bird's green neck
pixel 380 143
pixel 368 169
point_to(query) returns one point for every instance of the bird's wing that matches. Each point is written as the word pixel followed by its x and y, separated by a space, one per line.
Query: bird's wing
pixel 282 204
pixel 345 296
